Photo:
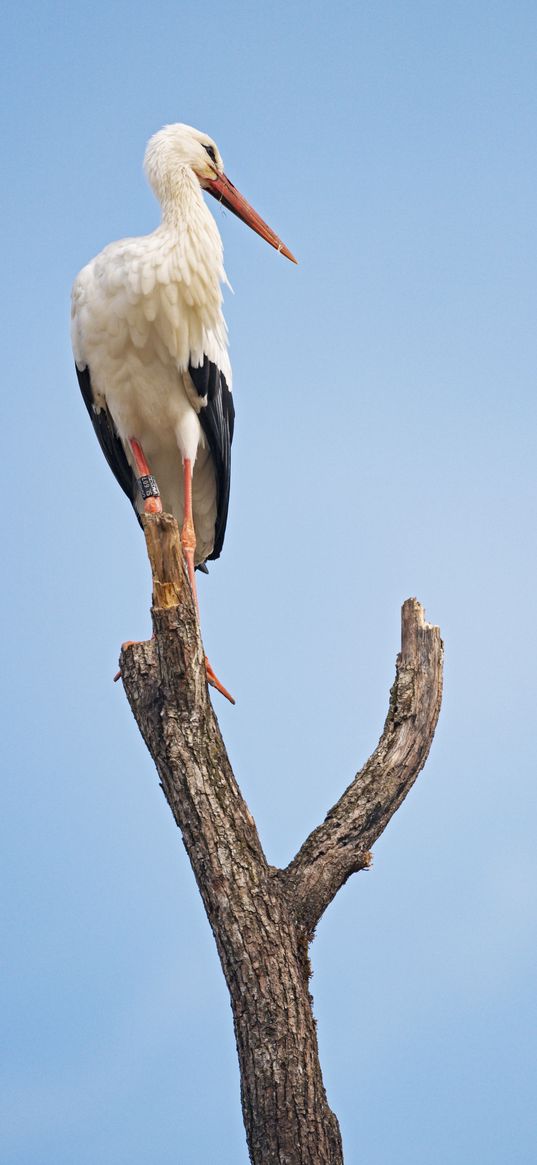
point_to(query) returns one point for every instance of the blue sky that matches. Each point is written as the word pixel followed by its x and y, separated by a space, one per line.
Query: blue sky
pixel 385 447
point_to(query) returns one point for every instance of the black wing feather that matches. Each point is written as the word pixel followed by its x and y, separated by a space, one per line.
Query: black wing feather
pixel 108 438
pixel 217 419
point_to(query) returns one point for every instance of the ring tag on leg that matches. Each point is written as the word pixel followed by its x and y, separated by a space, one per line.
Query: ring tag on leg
pixel 148 486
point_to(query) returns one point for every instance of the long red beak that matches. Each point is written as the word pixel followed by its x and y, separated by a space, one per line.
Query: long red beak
pixel 226 193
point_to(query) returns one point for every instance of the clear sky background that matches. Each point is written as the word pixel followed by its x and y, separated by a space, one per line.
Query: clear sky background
pixel 385 447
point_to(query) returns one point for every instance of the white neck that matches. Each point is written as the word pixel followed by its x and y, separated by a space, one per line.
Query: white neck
pixel 180 198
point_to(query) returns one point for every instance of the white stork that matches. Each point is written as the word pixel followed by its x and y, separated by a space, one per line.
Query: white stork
pixel 150 345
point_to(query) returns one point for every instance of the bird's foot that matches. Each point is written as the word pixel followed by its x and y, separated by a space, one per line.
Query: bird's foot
pixel 213 680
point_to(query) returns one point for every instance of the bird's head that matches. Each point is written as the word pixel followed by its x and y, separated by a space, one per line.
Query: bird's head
pixel 178 147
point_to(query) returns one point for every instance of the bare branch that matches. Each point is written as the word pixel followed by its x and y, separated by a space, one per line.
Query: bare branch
pixel 340 846
pixel 262 918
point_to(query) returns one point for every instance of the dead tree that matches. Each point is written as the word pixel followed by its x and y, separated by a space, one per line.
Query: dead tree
pixel 263 919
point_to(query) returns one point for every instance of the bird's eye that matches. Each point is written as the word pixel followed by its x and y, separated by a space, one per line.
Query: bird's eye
pixel 210 151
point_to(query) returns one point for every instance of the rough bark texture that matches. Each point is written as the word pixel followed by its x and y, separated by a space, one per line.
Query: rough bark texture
pixel 263 918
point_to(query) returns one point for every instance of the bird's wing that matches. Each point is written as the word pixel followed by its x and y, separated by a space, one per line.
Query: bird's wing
pixel 217 419
pixel 108 438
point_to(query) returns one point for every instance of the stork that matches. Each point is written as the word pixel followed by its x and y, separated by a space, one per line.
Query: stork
pixel 150 347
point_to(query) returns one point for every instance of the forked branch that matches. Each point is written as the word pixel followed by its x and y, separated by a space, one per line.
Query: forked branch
pixel 263 918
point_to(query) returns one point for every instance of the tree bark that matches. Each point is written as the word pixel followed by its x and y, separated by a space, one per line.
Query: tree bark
pixel 263 918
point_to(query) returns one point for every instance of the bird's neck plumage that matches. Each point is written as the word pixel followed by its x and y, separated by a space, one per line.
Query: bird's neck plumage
pixel 181 200
pixel 187 252
pixel 188 225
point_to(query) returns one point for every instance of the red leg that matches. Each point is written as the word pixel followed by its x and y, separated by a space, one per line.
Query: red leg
pixel 188 542
pixel 188 533
pixel 152 502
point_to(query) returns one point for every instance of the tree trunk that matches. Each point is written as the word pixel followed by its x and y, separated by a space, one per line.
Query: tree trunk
pixel 263 918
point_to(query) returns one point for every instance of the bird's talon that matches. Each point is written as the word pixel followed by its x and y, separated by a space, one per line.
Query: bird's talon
pixel 213 680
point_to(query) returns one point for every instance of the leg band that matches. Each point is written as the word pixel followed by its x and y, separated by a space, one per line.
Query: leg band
pixel 148 486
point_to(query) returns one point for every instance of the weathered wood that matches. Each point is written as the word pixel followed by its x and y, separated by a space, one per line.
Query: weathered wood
pixel 340 846
pixel 165 558
pixel 263 918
